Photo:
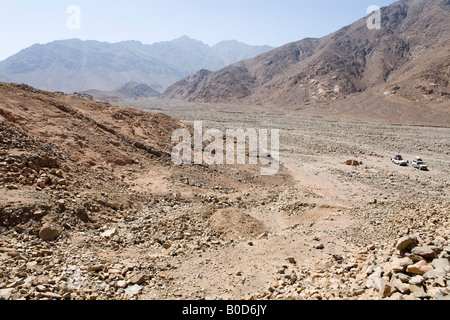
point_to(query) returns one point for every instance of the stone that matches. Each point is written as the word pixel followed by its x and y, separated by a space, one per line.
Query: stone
pixel 410 297
pixel 121 284
pixel 114 271
pixel 400 286
pixel 31 265
pixel 437 282
pixel 353 163
pixel 12 187
pixel 441 263
pixel 109 233
pixel 416 289
pixel 438 294
pixel 420 268
pixel 386 289
pixel 51 295
pixel 96 268
pixel 138 278
pixel 428 252
pixel 416 281
pixel 405 242
pixel 134 290
pixel 399 265
pixel 396 296
pixel 403 277
pixel 291 260
pixel 319 247
pixel 436 273
pixel 49 233
pixel 421 294
pixel 41 183
pixel 414 257
pixel 41 288
pixel 5 294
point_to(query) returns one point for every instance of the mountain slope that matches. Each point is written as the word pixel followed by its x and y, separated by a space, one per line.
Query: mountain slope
pixel 406 62
pixel 75 65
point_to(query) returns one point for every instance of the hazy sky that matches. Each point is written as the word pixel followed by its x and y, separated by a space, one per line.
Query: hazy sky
pixel 26 22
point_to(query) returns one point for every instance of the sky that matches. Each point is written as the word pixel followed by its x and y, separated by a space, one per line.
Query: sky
pixel 256 22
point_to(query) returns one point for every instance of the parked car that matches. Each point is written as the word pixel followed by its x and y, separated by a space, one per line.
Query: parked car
pixel 398 160
pixel 419 164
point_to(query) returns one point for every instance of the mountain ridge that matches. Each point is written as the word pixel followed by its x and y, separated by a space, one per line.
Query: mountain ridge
pixel 406 62
pixel 76 65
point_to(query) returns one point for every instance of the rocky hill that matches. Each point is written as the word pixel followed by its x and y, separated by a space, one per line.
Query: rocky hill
pixel 75 65
pixel 402 66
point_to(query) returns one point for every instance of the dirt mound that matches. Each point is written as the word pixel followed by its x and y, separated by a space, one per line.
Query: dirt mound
pixel 235 224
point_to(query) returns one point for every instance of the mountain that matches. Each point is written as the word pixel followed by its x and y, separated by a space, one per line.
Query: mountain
pixel 76 65
pixel 404 66
pixel 131 90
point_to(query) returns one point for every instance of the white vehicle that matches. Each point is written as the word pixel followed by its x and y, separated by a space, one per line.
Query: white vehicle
pixel 398 160
pixel 419 164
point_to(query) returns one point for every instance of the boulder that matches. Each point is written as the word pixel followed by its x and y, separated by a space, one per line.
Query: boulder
pixel 399 265
pixel 353 163
pixel 441 263
pixel 406 242
pixel 386 289
pixel 429 252
pixel 138 278
pixel 49 233
pixel 420 268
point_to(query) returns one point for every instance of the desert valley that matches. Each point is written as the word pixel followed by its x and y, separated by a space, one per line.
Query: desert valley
pixel 92 207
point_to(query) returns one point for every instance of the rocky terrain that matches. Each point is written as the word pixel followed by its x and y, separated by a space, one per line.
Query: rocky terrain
pixel 92 208
pixel 337 231
pixel 399 73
